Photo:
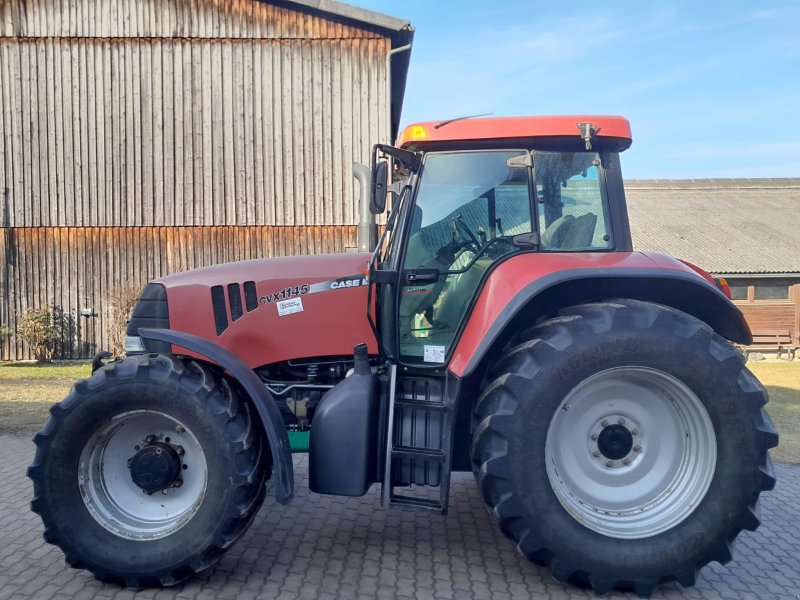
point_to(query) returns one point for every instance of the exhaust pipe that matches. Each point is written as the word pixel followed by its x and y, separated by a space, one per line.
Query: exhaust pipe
pixel 367 228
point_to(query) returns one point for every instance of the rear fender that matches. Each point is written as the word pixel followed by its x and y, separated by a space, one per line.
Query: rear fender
pixel 684 291
pixel 260 397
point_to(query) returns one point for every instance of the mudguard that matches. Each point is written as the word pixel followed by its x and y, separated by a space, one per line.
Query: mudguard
pixel 263 401
pixel 496 309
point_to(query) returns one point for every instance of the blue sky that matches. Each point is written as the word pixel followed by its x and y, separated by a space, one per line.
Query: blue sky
pixel 712 89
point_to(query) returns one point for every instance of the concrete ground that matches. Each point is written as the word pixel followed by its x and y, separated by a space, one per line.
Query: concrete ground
pixel 329 547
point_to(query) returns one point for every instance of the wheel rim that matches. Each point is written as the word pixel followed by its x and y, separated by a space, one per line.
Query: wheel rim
pixel 109 489
pixel 630 452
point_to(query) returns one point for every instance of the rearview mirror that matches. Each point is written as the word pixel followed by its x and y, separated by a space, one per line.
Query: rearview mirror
pixel 377 199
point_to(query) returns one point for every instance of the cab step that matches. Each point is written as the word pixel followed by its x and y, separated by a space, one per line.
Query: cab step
pixel 418 442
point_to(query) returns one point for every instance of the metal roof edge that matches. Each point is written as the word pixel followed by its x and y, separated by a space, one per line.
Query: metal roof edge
pixel 757 274
pixel 356 13
pixel 714 183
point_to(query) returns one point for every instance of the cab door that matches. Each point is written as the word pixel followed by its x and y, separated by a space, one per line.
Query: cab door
pixel 471 209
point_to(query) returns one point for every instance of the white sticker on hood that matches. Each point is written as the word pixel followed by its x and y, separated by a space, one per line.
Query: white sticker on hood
pixel 289 307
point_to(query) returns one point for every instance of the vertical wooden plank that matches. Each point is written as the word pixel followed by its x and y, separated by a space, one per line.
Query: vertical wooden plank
pixel 89 76
pixel 309 175
pixel 337 196
pixel 115 135
pixel 197 114
pixel 147 109
pixel 178 151
pixel 5 164
pixel 105 108
pixel 157 124
pixel 229 114
pixel 210 92
pixel 327 133
pixel 26 210
pixel 286 215
pixel 167 116
pixel 269 130
pixel 54 136
pixel 318 167
pixel 218 164
pixel 248 216
pixel 347 131
pixel 259 199
pixel 78 117
pixel 129 68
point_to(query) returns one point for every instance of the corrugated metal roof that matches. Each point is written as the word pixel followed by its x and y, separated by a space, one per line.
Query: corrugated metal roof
pixel 722 225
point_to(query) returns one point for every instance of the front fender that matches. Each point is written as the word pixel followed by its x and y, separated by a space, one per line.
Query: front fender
pixel 263 401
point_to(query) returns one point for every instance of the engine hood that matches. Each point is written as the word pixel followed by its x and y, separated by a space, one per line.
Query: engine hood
pixel 275 309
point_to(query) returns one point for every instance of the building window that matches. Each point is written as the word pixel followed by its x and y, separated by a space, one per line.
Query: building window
pixel 771 291
pixel 738 292
pixel 761 290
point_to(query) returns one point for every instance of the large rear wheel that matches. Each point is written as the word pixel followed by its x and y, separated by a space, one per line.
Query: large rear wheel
pixel 623 445
pixel 149 470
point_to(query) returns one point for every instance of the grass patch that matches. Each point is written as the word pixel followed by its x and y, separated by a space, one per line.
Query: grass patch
pixel 782 380
pixel 28 389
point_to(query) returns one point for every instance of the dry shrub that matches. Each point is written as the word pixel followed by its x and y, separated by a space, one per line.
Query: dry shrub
pixel 120 301
pixel 42 329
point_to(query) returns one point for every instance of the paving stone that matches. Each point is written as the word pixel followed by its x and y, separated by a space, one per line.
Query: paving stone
pixel 323 548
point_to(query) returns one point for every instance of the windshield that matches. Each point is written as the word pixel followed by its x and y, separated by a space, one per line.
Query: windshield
pixel 465 201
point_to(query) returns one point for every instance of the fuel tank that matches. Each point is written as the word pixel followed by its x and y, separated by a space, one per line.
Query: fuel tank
pixel 276 309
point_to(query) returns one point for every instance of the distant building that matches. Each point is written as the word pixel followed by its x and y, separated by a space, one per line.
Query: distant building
pixel 746 230
pixel 146 137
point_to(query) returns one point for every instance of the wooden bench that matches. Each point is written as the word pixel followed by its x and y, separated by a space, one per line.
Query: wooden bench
pixel 772 339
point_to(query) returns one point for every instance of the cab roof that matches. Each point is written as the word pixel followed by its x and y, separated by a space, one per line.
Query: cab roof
pixel 430 134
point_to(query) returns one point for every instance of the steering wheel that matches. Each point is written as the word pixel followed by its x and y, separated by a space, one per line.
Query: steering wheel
pixel 461 230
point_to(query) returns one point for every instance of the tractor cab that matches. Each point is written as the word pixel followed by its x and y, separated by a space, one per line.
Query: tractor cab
pixel 465 201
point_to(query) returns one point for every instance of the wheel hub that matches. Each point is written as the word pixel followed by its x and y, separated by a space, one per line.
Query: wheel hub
pixel 156 467
pixel 615 442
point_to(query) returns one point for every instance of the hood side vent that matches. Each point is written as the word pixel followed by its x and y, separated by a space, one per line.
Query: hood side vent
pixel 250 295
pixel 220 310
pixel 235 299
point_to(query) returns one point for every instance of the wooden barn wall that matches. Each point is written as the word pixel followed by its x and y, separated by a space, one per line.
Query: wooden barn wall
pixel 73 267
pixel 165 19
pixel 143 137
pixel 186 132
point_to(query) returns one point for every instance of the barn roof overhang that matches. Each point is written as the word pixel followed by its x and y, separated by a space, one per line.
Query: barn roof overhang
pixel 399 31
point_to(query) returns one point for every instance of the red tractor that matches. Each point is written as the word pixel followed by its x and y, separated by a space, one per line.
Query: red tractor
pixel 503 324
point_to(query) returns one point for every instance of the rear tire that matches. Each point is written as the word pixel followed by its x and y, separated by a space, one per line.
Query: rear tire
pixel 97 511
pixel 623 445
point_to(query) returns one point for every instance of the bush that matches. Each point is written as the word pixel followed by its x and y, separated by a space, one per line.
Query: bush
pixel 42 329
pixel 5 332
pixel 120 301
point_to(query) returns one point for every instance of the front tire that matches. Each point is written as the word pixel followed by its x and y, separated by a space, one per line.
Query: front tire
pixel 148 471
pixel 623 445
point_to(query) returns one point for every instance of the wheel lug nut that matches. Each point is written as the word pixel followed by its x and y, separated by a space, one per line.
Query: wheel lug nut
pixel 610 463
pixel 596 454
pixel 621 421
pixel 594 437
pixel 179 429
pixel 604 423
pixel 626 461
pixel 635 431
pixel 637 448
